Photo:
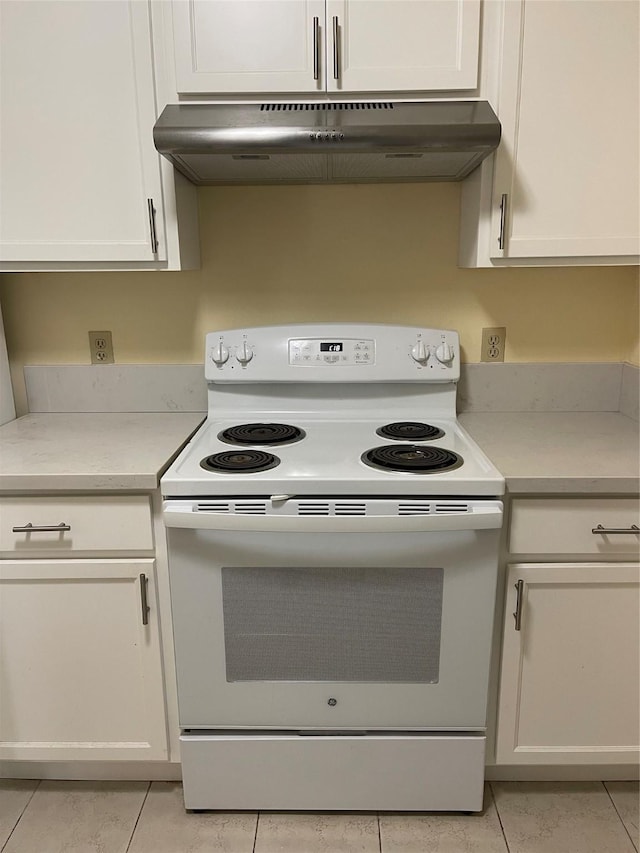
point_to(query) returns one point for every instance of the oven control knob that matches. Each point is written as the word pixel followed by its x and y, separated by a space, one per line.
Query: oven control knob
pixel 244 353
pixel 420 353
pixel 219 354
pixel 445 353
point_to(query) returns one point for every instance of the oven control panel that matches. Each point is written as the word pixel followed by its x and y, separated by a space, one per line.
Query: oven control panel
pixel 333 352
pixel 346 352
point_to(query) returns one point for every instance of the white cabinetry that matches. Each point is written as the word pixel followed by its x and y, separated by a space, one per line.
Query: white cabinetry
pixel 80 658
pixel 566 182
pixel 247 46
pixel 314 46
pixel 82 185
pixel 569 684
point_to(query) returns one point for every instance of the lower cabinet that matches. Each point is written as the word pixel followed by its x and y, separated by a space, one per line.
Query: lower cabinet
pixel 569 689
pixel 81 657
pixel 80 661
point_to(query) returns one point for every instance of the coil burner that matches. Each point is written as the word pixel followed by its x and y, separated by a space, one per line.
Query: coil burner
pixel 261 434
pixel 410 431
pixel 412 458
pixel 240 461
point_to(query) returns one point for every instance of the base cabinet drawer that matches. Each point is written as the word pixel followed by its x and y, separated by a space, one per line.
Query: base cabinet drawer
pixel 569 684
pixel 602 527
pixel 72 526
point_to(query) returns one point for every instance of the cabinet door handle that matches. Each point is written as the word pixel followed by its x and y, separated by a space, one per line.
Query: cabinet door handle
pixel 152 226
pixel 519 598
pixel 316 48
pixel 336 48
pixel 143 599
pixel 607 531
pixel 42 528
pixel 503 220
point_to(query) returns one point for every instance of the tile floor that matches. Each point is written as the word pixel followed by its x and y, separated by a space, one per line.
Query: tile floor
pixel 138 817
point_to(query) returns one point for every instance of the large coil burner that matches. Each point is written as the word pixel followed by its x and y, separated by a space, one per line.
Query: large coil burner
pixel 240 461
pixel 412 459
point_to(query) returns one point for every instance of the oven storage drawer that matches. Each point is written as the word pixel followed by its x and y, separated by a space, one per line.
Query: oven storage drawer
pixel 75 526
pixel 269 771
pixel 572 526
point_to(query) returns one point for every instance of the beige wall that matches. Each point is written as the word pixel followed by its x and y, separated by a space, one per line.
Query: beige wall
pixel 364 253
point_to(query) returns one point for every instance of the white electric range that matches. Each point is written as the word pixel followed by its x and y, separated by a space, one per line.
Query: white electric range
pixel 333 546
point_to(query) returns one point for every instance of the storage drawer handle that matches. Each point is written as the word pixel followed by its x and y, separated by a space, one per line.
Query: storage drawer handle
pixel 607 531
pixel 42 528
pixel 144 604
pixel 518 613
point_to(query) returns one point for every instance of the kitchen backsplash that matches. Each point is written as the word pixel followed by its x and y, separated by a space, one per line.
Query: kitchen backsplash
pixel 607 387
pixel 630 391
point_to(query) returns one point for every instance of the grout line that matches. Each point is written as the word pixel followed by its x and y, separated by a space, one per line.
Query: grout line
pixel 613 803
pixel 495 803
pixel 135 826
pixel 379 831
pixel 255 837
pixel 26 806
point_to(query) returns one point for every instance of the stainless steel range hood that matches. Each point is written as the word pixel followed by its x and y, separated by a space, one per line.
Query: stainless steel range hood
pixel 327 142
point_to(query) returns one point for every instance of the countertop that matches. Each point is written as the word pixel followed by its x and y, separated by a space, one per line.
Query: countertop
pixel 110 451
pixel 537 452
pixel 560 452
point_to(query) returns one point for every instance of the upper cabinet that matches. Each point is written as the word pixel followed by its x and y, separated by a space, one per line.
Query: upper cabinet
pixel 317 46
pixel 82 185
pixel 565 186
pixel 249 46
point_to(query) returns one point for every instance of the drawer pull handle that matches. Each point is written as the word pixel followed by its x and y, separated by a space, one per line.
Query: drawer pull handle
pixel 518 613
pixel 42 528
pixel 143 599
pixel 607 531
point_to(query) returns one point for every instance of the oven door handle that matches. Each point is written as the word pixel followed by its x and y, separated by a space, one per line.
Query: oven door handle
pixel 185 516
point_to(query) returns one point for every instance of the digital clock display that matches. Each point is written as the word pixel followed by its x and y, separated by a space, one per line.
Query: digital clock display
pixel 331 347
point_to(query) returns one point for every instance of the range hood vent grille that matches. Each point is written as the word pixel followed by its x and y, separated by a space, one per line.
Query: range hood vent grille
pixel 324 107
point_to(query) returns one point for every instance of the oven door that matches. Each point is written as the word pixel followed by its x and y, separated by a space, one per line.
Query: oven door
pixel 325 623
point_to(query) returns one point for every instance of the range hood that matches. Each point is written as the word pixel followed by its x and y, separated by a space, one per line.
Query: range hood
pixel 326 142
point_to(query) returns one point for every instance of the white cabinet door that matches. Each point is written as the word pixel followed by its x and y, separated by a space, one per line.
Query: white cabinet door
pixel 78 168
pixel 308 46
pixel 80 674
pixel 567 171
pixel 569 691
pixel 402 45
pixel 248 45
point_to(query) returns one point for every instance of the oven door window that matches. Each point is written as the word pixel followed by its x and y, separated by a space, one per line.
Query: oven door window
pixel 332 624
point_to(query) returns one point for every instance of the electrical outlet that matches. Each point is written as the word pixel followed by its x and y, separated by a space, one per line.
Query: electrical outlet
pixel 101 347
pixel 493 341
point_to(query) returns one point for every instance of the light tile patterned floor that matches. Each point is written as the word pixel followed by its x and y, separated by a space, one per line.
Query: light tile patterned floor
pixel 137 817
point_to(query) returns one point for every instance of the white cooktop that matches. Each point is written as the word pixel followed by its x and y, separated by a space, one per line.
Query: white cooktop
pixel 327 461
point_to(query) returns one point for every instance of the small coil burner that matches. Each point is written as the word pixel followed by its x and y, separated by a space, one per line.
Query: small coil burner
pixel 240 461
pixel 410 431
pixel 412 459
pixel 261 434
